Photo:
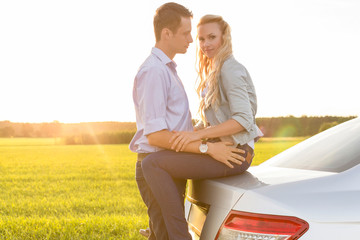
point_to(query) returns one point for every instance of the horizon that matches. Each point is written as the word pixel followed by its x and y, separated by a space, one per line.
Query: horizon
pixel 258 117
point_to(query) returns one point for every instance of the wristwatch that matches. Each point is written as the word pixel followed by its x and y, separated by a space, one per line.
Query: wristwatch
pixel 203 146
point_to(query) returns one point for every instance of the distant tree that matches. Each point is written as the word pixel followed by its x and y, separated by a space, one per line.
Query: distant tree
pixel 52 129
pixel 56 128
pixel 7 132
pixel 27 130
pixel 327 125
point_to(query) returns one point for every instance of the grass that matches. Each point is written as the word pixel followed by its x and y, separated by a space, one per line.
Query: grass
pixel 53 191
pixel 269 147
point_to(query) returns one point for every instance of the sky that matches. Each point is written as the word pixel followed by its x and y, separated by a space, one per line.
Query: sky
pixel 75 60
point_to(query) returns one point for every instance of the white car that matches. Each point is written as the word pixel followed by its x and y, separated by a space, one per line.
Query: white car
pixel 310 191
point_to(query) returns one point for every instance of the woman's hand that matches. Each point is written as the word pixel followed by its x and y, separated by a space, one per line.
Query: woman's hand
pixel 181 139
pixel 225 153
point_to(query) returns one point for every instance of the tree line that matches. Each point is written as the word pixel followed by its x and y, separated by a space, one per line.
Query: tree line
pixel 57 129
pixel 122 132
pixel 304 126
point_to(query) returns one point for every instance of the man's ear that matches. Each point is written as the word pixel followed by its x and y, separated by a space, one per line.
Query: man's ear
pixel 166 33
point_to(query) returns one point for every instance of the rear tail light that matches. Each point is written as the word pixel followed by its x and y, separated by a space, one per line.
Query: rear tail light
pixel 251 226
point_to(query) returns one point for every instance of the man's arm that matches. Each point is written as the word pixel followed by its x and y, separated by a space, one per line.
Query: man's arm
pixel 162 138
pixel 220 151
pixel 180 140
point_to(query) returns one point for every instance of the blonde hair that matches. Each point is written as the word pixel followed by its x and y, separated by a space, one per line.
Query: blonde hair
pixel 209 69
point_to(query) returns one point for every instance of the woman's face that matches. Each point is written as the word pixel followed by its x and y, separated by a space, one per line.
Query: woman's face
pixel 210 38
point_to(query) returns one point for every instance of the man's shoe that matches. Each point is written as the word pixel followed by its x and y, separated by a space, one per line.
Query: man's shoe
pixel 145 232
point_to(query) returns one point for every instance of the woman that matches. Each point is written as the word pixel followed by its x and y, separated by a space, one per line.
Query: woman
pixel 227 108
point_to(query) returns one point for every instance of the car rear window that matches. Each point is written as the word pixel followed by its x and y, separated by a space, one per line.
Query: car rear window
pixel 334 150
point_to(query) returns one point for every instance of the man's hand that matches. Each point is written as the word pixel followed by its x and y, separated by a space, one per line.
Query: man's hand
pixel 180 140
pixel 225 153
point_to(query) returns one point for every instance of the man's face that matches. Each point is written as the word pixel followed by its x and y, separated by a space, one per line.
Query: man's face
pixel 181 40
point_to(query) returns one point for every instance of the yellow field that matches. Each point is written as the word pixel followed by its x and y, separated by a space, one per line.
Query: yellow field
pixel 54 191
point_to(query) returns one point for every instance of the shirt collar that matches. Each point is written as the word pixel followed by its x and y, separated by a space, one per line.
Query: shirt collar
pixel 162 56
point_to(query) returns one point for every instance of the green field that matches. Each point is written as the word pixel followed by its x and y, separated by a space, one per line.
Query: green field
pixel 54 191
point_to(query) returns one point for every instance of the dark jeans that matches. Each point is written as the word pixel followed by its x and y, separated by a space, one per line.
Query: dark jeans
pixel 156 221
pixel 161 168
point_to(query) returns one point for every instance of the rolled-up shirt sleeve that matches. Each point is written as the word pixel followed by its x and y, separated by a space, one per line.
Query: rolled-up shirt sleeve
pixel 151 90
pixel 235 88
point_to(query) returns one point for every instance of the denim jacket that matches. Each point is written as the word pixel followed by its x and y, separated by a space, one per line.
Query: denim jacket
pixel 237 100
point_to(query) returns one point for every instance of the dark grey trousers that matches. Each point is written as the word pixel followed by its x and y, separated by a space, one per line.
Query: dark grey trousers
pixel 156 221
pixel 163 168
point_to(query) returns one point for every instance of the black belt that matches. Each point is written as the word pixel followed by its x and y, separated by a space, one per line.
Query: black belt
pixel 141 156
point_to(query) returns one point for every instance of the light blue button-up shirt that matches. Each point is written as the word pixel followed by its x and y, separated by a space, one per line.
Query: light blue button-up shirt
pixel 160 101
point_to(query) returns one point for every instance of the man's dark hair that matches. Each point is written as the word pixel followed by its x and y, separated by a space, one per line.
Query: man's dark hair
pixel 169 16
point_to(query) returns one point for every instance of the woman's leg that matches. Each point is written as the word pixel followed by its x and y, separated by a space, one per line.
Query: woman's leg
pixel 162 167
pixel 184 165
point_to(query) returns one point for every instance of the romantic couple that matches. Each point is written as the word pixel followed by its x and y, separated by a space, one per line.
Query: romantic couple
pixel 169 149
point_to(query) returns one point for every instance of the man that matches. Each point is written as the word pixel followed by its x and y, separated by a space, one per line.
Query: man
pixel 162 107
pixel 160 100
